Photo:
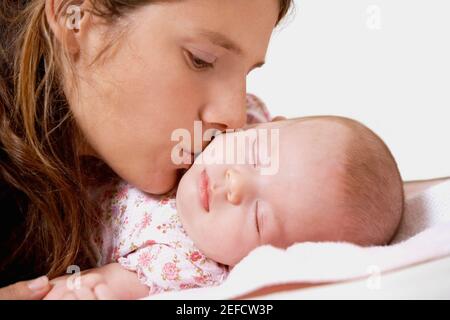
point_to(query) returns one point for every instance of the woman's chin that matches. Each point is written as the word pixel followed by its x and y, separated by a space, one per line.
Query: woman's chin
pixel 158 184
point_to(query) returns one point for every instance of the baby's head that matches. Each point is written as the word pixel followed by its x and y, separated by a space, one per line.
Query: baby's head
pixel 336 181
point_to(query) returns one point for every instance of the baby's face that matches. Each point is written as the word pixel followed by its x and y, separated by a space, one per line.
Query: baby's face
pixel 229 209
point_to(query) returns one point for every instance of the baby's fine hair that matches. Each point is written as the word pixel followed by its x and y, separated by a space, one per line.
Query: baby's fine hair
pixel 372 187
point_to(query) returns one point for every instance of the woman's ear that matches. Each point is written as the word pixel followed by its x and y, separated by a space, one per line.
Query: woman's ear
pixel 68 22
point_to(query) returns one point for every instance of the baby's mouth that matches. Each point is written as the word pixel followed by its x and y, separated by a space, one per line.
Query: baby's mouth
pixel 204 190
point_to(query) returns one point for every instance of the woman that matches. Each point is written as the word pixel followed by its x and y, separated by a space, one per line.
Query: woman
pixel 108 80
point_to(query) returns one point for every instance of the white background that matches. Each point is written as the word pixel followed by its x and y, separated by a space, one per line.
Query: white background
pixel 385 63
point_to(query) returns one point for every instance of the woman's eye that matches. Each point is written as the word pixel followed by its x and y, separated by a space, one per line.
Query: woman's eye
pixel 199 63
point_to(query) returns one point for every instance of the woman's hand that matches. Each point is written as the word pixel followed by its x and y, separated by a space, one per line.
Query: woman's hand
pixel 26 290
pixel 109 282
pixel 91 285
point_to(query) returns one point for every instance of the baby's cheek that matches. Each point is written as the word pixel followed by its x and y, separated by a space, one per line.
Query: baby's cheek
pixel 243 249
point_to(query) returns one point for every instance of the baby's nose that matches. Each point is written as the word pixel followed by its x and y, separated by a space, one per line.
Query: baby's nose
pixel 235 186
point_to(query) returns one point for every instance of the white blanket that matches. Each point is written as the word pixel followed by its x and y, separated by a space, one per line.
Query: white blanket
pixel 424 235
pixel 424 210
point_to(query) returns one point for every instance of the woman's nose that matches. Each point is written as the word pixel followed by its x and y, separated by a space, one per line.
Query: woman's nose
pixel 235 186
pixel 227 110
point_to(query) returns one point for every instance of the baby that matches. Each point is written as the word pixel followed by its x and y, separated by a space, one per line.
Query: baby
pixel 335 180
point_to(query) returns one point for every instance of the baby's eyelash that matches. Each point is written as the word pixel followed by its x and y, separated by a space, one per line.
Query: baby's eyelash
pixel 255 154
pixel 256 218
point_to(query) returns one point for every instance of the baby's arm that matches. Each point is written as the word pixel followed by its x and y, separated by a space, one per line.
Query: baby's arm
pixel 148 270
pixel 111 281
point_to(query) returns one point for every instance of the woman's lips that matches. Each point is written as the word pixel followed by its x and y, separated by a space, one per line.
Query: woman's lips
pixel 204 190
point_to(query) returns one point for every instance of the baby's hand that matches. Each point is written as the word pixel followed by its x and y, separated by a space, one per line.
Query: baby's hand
pixel 85 286
pixel 279 118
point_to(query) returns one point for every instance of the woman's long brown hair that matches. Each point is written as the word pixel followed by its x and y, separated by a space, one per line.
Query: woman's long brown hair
pixel 39 139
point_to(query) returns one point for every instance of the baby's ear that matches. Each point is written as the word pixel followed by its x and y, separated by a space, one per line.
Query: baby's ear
pixel 278 118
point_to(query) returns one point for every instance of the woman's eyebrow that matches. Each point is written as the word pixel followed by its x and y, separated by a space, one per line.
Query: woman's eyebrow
pixel 223 41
